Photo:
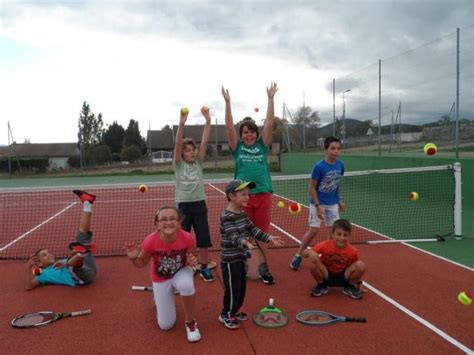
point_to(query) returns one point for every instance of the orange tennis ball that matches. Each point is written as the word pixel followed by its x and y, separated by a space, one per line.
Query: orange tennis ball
pixel 143 188
pixel 204 109
pixel 294 208
pixel 256 109
pixel 414 196
pixel 465 298
pixel 430 149
pixel 37 271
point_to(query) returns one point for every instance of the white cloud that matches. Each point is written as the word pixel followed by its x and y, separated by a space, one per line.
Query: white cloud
pixel 145 60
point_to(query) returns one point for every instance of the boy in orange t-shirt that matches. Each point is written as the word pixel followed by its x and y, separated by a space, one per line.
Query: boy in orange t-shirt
pixel 335 262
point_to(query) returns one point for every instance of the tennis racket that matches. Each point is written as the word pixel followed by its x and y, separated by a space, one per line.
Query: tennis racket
pixel 257 258
pixel 320 318
pixel 37 319
pixel 270 316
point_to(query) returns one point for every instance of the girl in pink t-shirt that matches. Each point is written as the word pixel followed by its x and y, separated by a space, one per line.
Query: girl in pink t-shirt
pixel 172 252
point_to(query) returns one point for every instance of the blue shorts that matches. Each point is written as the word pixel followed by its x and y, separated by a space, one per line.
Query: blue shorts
pixel 337 280
pixel 195 216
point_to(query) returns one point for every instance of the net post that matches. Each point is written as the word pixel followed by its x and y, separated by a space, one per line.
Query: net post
pixel 457 202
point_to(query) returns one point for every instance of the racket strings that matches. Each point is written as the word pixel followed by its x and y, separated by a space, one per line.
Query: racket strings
pixel 32 319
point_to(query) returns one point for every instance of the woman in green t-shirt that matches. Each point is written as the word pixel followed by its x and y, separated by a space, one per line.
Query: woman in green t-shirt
pixel 250 152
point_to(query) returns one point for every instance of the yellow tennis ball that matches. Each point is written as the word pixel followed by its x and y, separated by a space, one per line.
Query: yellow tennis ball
pixel 430 149
pixel 414 196
pixel 143 188
pixel 185 110
pixel 465 298
pixel 281 204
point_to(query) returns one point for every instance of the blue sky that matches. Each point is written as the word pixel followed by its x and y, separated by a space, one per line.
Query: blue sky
pixel 147 59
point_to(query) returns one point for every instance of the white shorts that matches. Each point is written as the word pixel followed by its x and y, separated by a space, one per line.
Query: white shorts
pixel 331 214
pixel 183 281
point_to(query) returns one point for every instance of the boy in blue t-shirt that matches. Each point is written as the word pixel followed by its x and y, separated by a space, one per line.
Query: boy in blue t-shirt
pixel 79 269
pixel 325 201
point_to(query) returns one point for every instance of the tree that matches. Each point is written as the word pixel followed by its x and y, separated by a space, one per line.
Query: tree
pixel 133 137
pixel 90 127
pixel 130 153
pixel 305 115
pixel 114 136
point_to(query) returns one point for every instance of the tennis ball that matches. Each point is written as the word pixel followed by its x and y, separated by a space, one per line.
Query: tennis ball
pixel 143 188
pixel 281 204
pixel 414 196
pixel 185 110
pixel 205 109
pixel 37 271
pixel 294 208
pixel 430 149
pixel 256 109
pixel 465 298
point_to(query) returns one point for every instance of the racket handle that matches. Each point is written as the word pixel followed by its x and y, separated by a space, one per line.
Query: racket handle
pixel 142 288
pixel 360 320
pixel 81 313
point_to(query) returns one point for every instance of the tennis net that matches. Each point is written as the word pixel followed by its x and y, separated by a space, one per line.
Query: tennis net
pixel 377 201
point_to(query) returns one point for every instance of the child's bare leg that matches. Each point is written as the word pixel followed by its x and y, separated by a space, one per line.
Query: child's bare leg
pixel 188 305
pixel 355 272
pixel 318 270
pixel 85 223
pixel 203 255
pixel 307 238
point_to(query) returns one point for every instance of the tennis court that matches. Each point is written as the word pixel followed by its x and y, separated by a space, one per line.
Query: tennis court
pixel 411 303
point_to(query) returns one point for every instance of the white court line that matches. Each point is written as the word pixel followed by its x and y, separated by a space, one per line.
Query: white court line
pixel 402 308
pixel 37 227
pixel 424 322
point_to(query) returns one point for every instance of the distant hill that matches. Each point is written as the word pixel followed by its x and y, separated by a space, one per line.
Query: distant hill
pixel 356 127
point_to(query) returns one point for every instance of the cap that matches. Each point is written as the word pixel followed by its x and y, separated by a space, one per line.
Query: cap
pixel 237 185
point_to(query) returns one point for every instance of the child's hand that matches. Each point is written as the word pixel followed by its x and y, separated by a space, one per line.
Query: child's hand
pixel 225 94
pixel 342 206
pixel 276 241
pixel 249 245
pixel 191 260
pixel 132 249
pixel 271 91
pixel 206 114
pixel 320 213
pixel 183 116
pixel 32 262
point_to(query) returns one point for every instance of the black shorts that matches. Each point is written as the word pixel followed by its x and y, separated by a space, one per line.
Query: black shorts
pixel 195 216
pixel 337 280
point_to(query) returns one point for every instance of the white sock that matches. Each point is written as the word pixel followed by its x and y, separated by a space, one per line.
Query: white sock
pixel 87 206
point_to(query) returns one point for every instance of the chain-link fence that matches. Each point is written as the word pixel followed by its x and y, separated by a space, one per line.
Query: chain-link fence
pixel 422 95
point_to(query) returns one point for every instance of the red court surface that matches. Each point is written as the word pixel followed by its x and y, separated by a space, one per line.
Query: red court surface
pixel 124 321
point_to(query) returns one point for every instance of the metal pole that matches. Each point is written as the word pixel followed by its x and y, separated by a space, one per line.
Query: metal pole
pixel 343 120
pixel 334 107
pixel 457 94
pixel 380 106
pixel 304 125
pixel 215 153
pixel 9 151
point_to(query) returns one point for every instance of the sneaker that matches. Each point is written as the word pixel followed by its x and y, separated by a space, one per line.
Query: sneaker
pixel 80 248
pixel 240 316
pixel 352 291
pixel 206 275
pixel 296 262
pixel 267 278
pixel 192 331
pixel 84 196
pixel 320 289
pixel 230 323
